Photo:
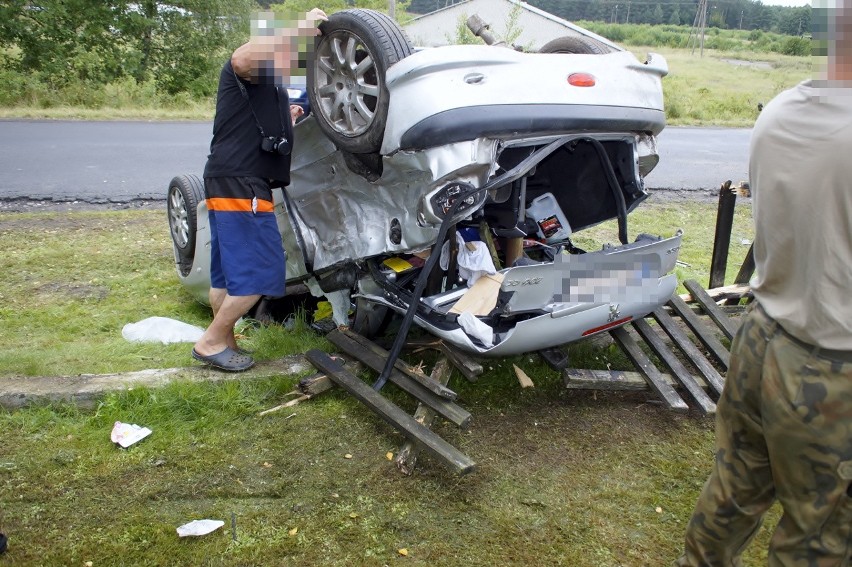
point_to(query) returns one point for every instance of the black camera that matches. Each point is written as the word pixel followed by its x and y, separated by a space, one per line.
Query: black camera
pixel 278 145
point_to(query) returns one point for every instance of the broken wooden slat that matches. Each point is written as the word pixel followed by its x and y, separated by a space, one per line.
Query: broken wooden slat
pixel 735 290
pixel 392 414
pixel 713 311
pixel 648 370
pixel 704 334
pixel 411 372
pixel 406 458
pixel 747 268
pixel 615 380
pixel 680 372
pixel 745 273
pixel 523 378
pixel 722 238
pixel 678 337
pixel 443 407
pixel 469 368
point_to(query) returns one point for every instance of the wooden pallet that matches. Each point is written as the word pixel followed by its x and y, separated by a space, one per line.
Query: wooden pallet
pixel 689 377
pixel 690 371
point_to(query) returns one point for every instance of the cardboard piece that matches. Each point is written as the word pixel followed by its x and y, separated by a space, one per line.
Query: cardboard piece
pixel 481 298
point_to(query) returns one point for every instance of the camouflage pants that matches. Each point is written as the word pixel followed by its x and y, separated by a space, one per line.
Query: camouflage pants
pixel 783 431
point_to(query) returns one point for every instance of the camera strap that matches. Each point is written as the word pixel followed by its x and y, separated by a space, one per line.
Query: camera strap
pixel 251 108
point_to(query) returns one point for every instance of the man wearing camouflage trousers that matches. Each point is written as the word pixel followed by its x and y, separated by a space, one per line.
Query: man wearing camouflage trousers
pixel 784 421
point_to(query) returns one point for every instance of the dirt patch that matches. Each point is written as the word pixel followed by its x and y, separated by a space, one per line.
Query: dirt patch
pixel 74 291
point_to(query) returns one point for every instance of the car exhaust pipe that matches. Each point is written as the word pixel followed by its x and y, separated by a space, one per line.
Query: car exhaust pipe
pixel 482 30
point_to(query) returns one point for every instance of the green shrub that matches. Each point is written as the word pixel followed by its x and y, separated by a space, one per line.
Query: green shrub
pixel 798 46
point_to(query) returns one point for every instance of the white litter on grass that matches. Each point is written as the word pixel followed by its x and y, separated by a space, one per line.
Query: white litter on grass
pixel 161 329
pixel 199 527
pixel 126 434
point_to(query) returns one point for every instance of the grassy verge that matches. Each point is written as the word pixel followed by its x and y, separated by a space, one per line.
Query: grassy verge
pixel 564 478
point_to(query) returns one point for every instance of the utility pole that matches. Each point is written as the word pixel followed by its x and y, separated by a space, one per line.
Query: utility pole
pixel 392 9
pixel 615 15
pixel 742 13
pixel 698 27
pixel 627 20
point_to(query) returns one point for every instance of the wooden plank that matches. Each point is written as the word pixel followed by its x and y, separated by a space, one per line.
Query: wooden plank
pixel 392 414
pixel 318 382
pixel 718 293
pixel 443 407
pixel 745 273
pixel 648 370
pixel 728 326
pixel 704 333
pixel 613 380
pixel 747 268
pixel 722 237
pixel 406 458
pixel 413 373
pixel 680 372
pixel 686 346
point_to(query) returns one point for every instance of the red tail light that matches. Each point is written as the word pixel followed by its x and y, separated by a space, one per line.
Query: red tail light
pixel 581 80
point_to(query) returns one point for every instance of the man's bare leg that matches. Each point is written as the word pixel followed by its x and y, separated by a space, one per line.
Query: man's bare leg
pixel 220 334
pixel 217 296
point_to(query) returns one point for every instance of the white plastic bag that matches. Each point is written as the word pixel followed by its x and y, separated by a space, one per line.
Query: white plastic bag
pixel 161 329
pixel 199 527
pixel 472 263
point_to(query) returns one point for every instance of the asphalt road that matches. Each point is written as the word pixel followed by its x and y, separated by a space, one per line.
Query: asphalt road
pixel 103 162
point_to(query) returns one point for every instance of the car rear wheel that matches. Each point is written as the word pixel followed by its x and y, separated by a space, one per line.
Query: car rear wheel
pixel 574 44
pixel 346 78
pixel 185 192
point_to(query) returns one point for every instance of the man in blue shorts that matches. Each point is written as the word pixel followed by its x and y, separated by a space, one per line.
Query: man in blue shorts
pixel 249 156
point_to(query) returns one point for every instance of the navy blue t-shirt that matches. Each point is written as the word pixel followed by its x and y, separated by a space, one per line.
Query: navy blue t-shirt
pixel 235 148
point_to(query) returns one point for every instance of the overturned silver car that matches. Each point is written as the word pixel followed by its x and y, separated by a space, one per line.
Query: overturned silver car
pixel 486 157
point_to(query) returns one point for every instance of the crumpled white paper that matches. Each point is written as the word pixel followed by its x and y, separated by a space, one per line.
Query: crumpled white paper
pixel 472 263
pixel 199 527
pixel 161 329
pixel 126 434
pixel 476 328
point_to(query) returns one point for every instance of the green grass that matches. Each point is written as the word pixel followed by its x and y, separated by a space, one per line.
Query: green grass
pixel 724 88
pixel 564 477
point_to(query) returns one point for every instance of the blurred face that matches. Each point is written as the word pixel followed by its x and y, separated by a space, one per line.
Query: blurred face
pixel 281 41
pixel 833 35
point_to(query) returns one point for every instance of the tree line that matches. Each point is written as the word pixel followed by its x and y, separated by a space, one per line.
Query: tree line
pixel 726 14
pixel 72 49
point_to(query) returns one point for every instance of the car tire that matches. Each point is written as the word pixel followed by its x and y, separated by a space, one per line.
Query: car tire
pixel 350 102
pixel 575 44
pixel 185 192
